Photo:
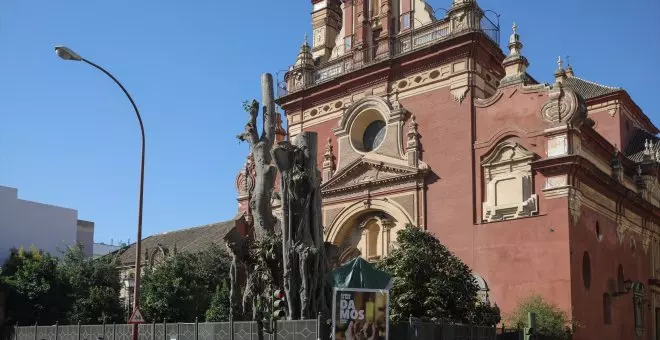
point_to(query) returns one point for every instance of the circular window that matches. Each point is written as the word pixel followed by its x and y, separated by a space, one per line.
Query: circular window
pixel 368 131
pixel 586 270
pixel 373 135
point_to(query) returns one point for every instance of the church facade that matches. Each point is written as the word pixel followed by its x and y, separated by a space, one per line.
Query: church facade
pixel 546 189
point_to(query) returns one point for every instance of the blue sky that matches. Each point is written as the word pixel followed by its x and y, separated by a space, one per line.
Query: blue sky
pixel 69 136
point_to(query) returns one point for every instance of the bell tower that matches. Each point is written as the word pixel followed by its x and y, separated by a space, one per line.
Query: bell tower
pixel 326 25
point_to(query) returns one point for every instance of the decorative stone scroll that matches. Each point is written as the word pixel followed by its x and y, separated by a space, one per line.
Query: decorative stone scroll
pixel 563 107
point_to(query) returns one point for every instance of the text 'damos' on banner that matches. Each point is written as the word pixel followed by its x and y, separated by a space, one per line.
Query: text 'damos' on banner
pixel 360 314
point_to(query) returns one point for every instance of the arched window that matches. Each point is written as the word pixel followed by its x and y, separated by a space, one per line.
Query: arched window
pixel 599 235
pixel 372 239
pixel 607 309
pixel 586 270
pixel 638 302
pixel 620 280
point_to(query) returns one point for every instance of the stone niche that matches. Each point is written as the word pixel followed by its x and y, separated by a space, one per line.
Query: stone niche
pixel 509 184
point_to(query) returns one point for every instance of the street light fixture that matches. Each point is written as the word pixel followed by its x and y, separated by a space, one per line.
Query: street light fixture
pixel 68 54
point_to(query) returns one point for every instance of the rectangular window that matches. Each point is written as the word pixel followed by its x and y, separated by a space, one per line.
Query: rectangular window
pixel 405 24
pixel 348 43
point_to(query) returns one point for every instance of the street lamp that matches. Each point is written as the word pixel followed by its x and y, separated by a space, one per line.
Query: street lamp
pixel 67 54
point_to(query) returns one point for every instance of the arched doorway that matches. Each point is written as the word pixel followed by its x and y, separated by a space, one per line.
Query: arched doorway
pixel 367 229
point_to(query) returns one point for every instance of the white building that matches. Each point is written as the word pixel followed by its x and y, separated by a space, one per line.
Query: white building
pixel 46 227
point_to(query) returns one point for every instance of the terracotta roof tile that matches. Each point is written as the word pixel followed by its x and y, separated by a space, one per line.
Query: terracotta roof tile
pixel 587 89
pixel 635 148
pixel 190 239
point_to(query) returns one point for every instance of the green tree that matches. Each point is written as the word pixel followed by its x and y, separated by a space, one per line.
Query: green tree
pixel 35 290
pixel 94 286
pixel 220 308
pixel 431 283
pixel 551 321
pixel 181 287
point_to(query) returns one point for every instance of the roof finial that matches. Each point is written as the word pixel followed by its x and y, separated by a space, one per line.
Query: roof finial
pixel 560 74
pixel 569 69
pixel 515 64
pixel 305 57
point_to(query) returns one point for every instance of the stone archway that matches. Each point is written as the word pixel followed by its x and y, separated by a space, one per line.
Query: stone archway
pixel 367 229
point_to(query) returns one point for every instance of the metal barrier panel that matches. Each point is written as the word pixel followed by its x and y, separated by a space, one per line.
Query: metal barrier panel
pixel 91 332
pixel 123 332
pixel 68 332
pixel 186 331
pixel 46 332
pixel 221 331
pixel 159 331
pixel 145 331
pixel 244 330
pixel 25 333
pixel 296 330
pixel 172 331
pixel 108 333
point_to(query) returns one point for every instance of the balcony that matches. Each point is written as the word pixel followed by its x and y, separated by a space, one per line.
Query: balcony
pixel 345 60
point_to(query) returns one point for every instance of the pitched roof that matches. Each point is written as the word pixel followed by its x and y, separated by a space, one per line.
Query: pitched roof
pixel 636 145
pixel 190 239
pixel 101 249
pixel 588 89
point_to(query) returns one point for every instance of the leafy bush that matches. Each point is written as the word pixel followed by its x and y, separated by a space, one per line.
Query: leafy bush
pixel 431 283
pixel 551 321
pixel 220 308
pixel 181 288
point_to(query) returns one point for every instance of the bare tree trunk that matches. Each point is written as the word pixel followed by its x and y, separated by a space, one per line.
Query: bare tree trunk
pixel 260 202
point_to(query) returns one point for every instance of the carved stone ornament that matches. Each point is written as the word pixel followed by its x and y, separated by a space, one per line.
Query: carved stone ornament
pixel 575 206
pixel 646 241
pixel 563 107
pixel 245 179
pixel 621 229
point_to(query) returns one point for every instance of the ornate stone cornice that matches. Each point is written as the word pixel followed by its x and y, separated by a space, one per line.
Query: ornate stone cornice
pixel 580 169
pixel 518 87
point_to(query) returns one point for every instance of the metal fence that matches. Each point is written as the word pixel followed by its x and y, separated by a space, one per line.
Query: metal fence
pixel 240 330
pixel 248 330
pixel 243 330
pixel 510 334
pixel 417 330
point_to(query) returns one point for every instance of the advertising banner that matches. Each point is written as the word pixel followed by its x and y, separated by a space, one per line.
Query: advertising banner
pixel 360 314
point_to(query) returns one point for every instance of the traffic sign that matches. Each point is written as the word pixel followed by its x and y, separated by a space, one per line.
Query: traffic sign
pixel 137 317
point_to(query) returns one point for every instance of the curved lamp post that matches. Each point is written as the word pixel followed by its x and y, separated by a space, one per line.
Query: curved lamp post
pixel 67 54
